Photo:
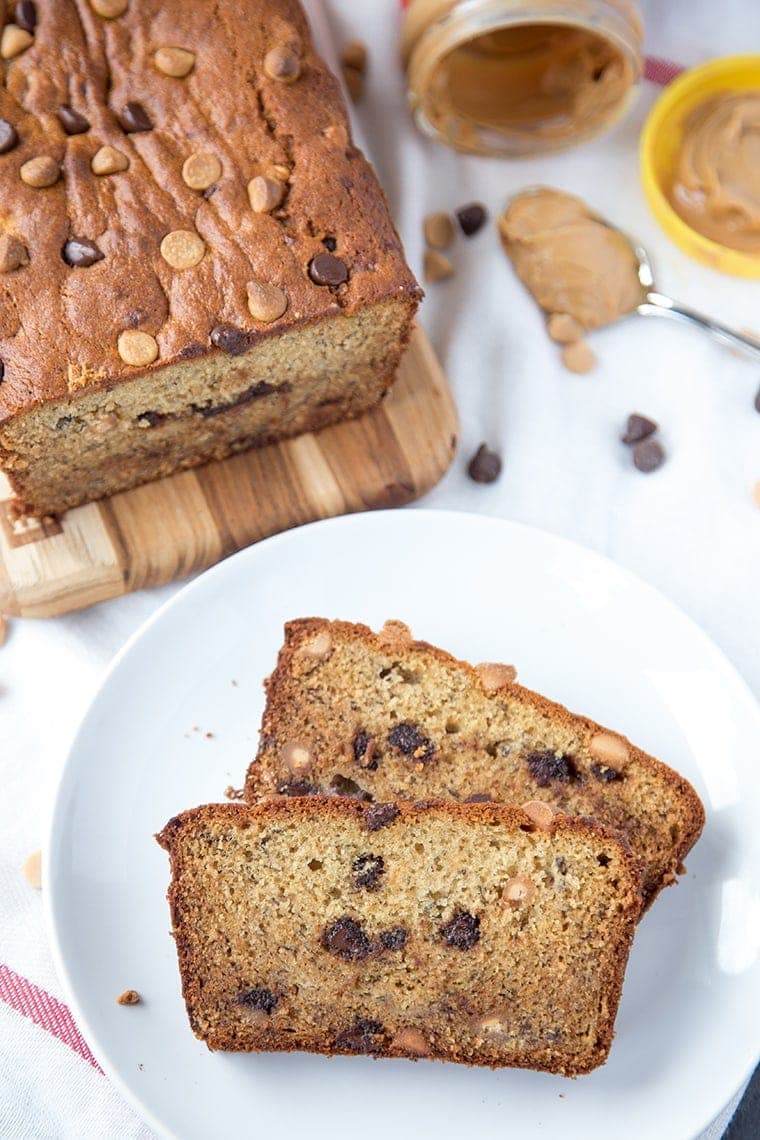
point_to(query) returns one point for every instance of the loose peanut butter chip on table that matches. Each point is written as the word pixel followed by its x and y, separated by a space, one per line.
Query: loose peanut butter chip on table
pixel 756 493
pixel 137 348
pixel 266 302
pixel 354 54
pixel 109 9
pixel 439 230
pixel 354 81
pixel 109 160
pixel 3 630
pixel 436 267
pixel 14 40
pixel 13 253
pixel 33 870
pixel 564 329
pixel 199 171
pixel 265 194
pixel 282 63
pixel 174 61
pixel 40 172
pixel 578 357
pixel 128 997
pixel 182 249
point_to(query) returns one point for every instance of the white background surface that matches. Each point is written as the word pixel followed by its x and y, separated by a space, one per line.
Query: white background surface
pixel 691 528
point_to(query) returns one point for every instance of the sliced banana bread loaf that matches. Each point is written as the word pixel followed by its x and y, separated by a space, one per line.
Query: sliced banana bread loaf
pixel 382 717
pixel 477 933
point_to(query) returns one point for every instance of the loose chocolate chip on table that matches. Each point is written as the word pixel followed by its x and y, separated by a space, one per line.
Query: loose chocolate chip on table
pixel 485 465
pixel 648 455
pixel 395 939
pixel 8 136
pixel 326 269
pixel 80 253
pixel 462 931
pixel 364 751
pixel 230 339
pixel 638 427
pixel 545 767
pixel 135 119
pixel 108 160
pixel 346 939
pixel 14 40
pixel 360 1038
pixel 13 254
pixel 175 62
pixel 25 15
pixel 604 773
pixel 262 999
pixel 40 172
pixel 471 218
pixel 367 871
pixel 72 122
pixel 409 740
pixel 379 815
pixel 200 171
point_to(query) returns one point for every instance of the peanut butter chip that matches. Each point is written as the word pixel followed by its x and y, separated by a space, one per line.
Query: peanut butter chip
pixel 264 194
pixel 33 870
pixel 439 230
pixel 519 890
pixel 541 813
pixel 40 172
pixel 182 249
pixel 266 302
pixel 296 758
pixel 354 81
pixel 411 1041
pixel 109 160
pixel 436 267
pixel 354 54
pixel 137 348
pixel 174 61
pixel 608 749
pixel 109 9
pixel 578 357
pixel 282 63
pixel 200 171
pixel 13 254
pixel 395 633
pixel 494 677
pixel 14 40
pixel 320 647
pixel 564 329
pixel 128 997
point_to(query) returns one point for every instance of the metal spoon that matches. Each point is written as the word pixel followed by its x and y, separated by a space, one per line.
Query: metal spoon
pixel 654 304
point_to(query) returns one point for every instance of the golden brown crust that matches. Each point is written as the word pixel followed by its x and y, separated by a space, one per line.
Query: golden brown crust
pixel 675 815
pixel 223 819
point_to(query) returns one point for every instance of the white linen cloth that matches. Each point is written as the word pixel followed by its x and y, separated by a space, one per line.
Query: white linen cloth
pixel 690 528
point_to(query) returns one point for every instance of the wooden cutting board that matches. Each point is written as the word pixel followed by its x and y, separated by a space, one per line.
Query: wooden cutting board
pixel 175 526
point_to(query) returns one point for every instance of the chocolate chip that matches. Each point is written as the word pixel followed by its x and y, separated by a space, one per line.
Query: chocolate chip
pixel 545 767
pixel 325 269
pixel 135 119
pixel 648 455
pixel 479 798
pixel 297 788
pixel 395 939
pixel 379 815
pixel 151 419
pixel 8 136
pixel 80 252
pixel 2 375
pixel 409 740
pixel 343 786
pixel 230 339
pixel 330 244
pixel 604 773
pixel 72 122
pixel 346 939
pixel 258 999
pixel 603 860
pixel 367 871
pixel 255 392
pixel 638 427
pixel 25 15
pixel 471 218
pixel 561 864
pixel 361 1037
pixel 364 751
pixel 462 931
pixel 485 465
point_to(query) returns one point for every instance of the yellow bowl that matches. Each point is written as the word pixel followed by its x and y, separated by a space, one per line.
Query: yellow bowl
pixel 661 143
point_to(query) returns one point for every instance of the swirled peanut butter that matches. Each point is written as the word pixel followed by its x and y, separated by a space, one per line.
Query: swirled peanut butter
pixel 571 261
pixel 716 182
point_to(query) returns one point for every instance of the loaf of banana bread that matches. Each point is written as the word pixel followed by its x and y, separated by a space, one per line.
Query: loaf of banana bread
pixel 477 933
pixel 194 257
pixel 383 717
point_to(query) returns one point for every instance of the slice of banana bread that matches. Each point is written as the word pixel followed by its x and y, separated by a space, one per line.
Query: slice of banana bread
pixel 382 717
pixel 478 933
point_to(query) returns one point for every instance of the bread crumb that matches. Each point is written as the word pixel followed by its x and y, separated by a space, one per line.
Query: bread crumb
pixel 33 870
pixel 128 997
pixel 233 793
pixel 209 735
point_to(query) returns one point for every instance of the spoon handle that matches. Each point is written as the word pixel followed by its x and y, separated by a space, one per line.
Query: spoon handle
pixel 658 305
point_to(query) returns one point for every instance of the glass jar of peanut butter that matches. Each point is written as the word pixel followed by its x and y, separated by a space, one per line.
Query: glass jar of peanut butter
pixel 519 77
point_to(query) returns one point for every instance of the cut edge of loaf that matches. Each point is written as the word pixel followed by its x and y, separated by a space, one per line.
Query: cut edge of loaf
pixel 300 631
pixel 342 808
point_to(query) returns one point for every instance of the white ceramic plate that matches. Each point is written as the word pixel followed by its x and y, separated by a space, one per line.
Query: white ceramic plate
pixel 578 628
